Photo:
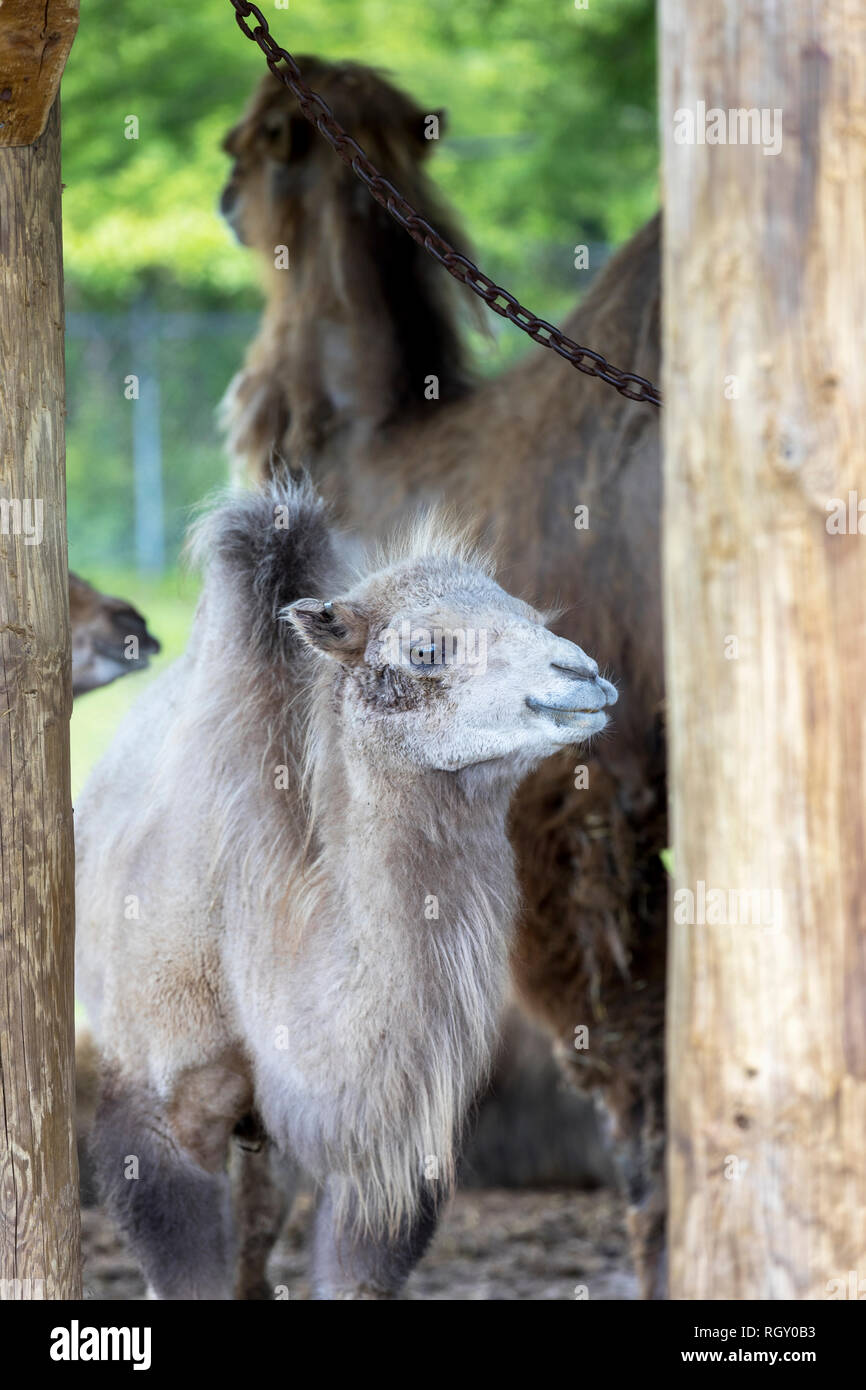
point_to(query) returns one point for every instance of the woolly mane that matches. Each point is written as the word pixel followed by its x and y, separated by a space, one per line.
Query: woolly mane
pixel 351 262
pixel 421 299
pixel 278 543
pixel 433 531
pixel 422 1088
pixel 272 545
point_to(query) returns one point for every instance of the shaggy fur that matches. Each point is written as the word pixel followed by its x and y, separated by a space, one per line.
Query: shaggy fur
pixel 369 376
pixel 519 454
pixel 254 939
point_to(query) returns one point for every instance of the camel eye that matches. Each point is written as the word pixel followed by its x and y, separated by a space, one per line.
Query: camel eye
pixel 288 138
pixel 431 658
pixel 273 129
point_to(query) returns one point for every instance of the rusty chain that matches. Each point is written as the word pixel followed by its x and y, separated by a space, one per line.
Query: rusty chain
pixel 319 114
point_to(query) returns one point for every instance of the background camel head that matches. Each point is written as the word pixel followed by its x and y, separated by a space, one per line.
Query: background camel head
pixel 437 667
pixel 280 160
pixel 109 637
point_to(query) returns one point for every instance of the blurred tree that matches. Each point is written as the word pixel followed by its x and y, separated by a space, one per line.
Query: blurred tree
pixel 551 134
pixel 550 143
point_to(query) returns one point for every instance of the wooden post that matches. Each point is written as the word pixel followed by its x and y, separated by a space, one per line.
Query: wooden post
pixel 39 1213
pixel 765 602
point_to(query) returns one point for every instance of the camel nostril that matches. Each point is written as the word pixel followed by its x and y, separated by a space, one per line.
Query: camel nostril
pixel 580 673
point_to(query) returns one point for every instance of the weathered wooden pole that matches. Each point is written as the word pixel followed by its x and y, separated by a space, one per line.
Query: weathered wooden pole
pixel 39 1215
pixel 765 600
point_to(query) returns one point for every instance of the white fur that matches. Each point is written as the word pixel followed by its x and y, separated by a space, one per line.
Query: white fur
pixel 298 915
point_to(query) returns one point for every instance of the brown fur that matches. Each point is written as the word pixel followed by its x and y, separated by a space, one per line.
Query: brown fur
pixel 101 628
pixel 277 155
pixel 206 1104
pixel 518 453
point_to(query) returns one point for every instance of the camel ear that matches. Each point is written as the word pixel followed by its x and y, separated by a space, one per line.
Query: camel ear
pixel 336 629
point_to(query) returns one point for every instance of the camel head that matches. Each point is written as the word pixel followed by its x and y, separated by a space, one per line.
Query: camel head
pixel 437 667
pixel 281 163
pixel 109 637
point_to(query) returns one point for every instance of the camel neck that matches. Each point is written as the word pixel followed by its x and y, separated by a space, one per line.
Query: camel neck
pixel 385 309
pixel 421 849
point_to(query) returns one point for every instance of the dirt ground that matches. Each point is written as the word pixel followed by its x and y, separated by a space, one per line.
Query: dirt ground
pixel 491 1245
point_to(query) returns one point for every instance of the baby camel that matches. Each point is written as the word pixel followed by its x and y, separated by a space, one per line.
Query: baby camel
pixel 319 948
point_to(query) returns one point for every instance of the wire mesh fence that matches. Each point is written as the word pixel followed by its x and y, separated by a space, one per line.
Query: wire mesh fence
pixel 143 446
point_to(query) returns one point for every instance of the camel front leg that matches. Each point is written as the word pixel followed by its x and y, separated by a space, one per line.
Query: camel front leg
pixel 347 1266
pixel 174 1213
pixel 161 1163
pixel 263 1190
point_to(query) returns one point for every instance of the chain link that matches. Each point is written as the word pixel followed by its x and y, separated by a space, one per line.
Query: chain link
pixel 317 111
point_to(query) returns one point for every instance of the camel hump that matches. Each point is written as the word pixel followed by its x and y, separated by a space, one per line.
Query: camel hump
pixel 272 546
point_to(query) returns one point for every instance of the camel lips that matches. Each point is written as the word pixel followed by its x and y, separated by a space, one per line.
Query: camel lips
pixel 561 710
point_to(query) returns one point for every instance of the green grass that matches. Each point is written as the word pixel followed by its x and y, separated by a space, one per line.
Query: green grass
pixel 168 604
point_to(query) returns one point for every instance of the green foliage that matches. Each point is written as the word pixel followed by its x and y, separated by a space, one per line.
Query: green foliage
pixel 550 142
pixel 551 133
pixel 195 366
